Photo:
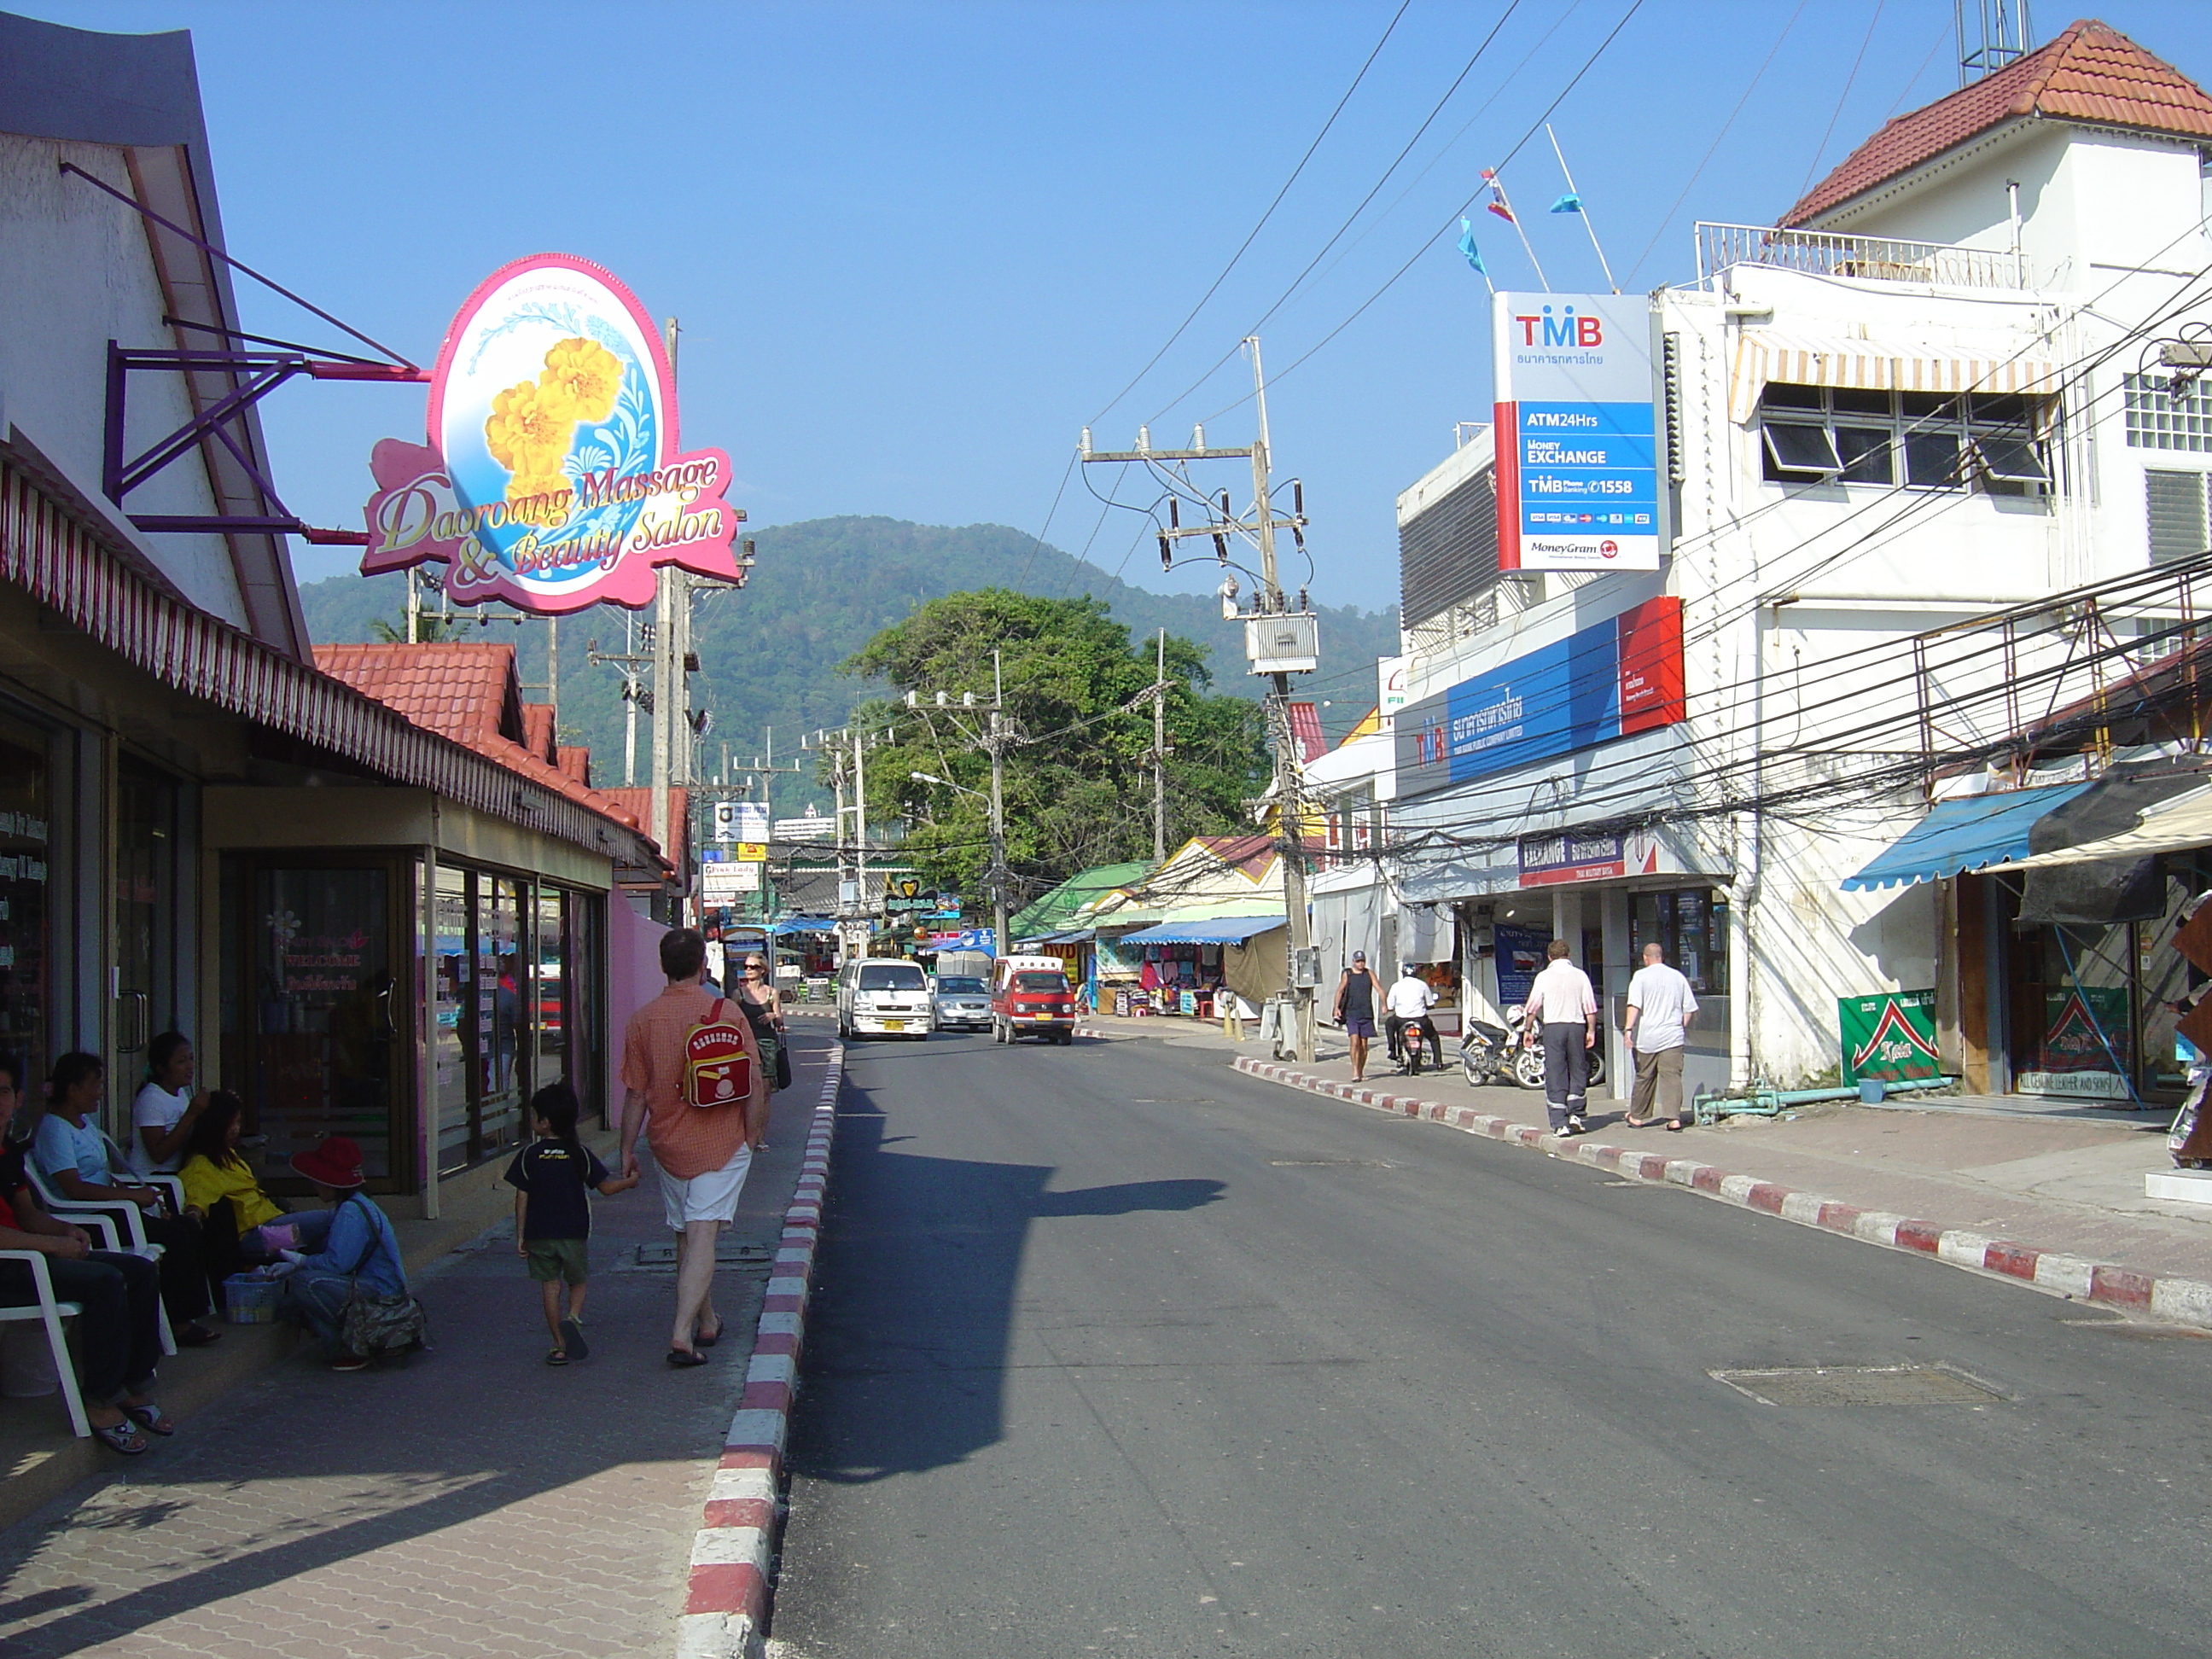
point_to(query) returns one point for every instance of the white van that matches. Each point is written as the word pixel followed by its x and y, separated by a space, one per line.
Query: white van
pixel 883 995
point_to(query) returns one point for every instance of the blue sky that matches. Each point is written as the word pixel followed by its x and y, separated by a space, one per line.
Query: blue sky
pixel 915 248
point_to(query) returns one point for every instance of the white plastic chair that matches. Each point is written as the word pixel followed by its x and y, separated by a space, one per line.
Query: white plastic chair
pixel 51 1313
pixel 122 1224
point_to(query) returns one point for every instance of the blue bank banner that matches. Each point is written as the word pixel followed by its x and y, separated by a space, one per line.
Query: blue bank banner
pixel 1616 677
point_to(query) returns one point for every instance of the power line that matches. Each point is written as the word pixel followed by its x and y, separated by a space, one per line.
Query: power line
pixel 1252 235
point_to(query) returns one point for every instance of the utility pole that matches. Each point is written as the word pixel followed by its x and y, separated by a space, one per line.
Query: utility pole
pixel 1160 754
pixel 1269 656
pixel 860 834
pixel 997 746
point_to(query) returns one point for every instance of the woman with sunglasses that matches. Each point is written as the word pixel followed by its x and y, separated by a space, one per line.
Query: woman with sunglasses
pixel 763 1006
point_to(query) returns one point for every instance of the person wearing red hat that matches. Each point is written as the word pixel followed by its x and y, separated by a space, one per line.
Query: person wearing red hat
pixel 361 1247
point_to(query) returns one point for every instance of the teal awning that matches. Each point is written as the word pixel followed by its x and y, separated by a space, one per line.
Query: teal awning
pixel 1971 832
pixel 1214 930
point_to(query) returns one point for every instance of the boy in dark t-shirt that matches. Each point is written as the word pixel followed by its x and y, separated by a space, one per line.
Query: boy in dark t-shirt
pixel 553 1177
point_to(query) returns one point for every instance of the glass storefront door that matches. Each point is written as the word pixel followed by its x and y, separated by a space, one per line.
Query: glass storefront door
pixel 146 911
pixel 26 822
pixel 315 1031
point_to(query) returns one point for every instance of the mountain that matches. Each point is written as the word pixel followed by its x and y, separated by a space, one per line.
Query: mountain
pixel 769 654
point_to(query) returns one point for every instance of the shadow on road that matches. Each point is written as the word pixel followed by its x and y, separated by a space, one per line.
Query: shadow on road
pixel 908 1339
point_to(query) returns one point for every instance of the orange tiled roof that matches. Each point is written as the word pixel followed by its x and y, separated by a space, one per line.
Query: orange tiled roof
pixel 576 762
pixel 2089 73
pixel 468 692
pixel 638 803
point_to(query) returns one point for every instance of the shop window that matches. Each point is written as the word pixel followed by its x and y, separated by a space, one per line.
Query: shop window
pixel 26 829
pixel 493 989
pixel 1691 926
pixel 1928 441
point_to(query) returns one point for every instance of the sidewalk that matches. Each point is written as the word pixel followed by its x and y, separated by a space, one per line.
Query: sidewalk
pixel 473 1501
pixel 2062 1182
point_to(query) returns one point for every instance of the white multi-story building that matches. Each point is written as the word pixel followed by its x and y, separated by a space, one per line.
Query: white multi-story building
pixel 1939 390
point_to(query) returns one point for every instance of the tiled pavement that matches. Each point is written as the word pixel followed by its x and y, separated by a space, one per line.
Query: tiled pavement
pixel 476 1501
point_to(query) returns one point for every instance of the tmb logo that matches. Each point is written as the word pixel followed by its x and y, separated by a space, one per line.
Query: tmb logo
pixel 1567 329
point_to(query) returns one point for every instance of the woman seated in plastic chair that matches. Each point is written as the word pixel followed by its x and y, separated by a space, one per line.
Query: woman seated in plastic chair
pixel 361 1247
pixel 72 1153
pixel 241 1225
pixel 119 1332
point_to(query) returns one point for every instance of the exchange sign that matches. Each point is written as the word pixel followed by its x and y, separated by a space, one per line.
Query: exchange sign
pixel 552 478
pixel 1577 433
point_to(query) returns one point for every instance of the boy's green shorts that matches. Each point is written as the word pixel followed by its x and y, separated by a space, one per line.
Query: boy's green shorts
pixel 557 1258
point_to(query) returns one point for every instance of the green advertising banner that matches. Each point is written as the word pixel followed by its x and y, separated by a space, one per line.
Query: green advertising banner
pixel 1891 1037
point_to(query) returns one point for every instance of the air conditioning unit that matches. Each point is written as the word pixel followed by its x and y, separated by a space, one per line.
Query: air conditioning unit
pixel 1283 642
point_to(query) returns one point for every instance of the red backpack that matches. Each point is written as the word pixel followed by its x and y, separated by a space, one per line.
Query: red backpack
pixel 717 1070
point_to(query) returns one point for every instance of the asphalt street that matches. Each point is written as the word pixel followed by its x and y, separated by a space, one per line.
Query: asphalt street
pixel 1115 1350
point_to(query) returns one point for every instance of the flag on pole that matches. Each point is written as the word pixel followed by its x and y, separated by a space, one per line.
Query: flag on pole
pixel 1570 203
pixel 1498 202
pixel 1467 246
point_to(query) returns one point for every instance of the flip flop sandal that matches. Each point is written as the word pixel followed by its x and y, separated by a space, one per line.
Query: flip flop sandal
pixel 149 1417
pixel 572 1336
pixel 557 1357
pixel 699 1340
pixel 123 1438
pixel 684 1358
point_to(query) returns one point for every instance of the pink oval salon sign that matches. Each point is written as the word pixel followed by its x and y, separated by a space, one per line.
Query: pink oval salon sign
pixel 552 478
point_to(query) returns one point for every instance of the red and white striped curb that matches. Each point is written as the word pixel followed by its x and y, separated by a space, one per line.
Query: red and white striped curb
pixel 728 1595
pixel 2184 1301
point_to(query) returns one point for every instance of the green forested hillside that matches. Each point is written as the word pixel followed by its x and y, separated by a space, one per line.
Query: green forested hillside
pixel 821 589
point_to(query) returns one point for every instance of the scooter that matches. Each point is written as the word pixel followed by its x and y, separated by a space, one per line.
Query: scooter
pixel 1409 1036
pixel 1528 1067
pixel 1482 1051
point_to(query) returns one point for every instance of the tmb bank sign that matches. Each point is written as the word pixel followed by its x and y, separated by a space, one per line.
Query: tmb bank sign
pixel 552 478
pixel 1617 677
pixel 1577 436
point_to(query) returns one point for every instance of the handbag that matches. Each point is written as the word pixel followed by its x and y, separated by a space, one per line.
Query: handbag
pixel 370 1326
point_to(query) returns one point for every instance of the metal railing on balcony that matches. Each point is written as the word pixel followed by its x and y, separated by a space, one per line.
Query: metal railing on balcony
pixel 1879 258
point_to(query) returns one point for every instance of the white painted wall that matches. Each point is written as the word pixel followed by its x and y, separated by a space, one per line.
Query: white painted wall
pixel 75 273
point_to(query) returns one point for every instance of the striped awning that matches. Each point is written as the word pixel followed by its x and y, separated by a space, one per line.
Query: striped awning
pixel 1763 355
pixel 58 563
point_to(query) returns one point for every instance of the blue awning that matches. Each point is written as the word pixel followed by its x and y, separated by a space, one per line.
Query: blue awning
pixel 804 925
pixel 1214 930
pixel 1971 832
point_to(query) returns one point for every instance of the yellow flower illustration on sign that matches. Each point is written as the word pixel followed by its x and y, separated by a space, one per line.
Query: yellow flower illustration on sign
pixel 581 377
pixel 542 497
pixel 528 431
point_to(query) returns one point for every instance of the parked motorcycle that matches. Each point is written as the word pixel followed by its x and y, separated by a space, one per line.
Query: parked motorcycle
pixel 1481 1050
pixel 1512 1053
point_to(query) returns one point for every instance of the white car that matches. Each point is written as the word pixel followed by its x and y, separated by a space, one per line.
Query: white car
pixel 963 1002
pixel 883 996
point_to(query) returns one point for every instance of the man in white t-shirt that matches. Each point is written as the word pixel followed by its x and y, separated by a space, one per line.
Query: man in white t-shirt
pixel 1563 1006
pixel 1405 1016
pixel 1661 1005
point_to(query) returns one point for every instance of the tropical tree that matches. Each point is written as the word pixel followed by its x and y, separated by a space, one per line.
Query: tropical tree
pixel 1077 724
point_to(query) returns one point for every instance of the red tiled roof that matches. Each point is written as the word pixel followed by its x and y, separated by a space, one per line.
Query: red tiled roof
pixel 538 731
pixel 576 762
pixel 638 803
pixel 2089 73
pixel 468 692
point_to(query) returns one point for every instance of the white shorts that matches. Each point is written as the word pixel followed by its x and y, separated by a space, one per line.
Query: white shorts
pixel 709 1197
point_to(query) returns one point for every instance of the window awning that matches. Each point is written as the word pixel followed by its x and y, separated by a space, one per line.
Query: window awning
pixel 804 925
pixel 1970 833
pixel 2175 827
pixel 1765 355
pixel 1213 930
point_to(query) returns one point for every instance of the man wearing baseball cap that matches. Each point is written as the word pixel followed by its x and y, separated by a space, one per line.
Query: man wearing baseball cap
pixel 360 1245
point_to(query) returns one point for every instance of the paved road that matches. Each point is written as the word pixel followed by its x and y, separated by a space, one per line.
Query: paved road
pixel 1118 1351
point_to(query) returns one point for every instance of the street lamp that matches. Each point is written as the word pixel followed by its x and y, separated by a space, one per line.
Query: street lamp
pixel 997 880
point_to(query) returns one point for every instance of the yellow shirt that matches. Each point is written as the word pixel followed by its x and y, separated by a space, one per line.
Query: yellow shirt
pixel 207 1184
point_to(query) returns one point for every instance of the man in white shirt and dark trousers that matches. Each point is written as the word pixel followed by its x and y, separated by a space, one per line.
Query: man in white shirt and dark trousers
pixel 1661 1005
pixel 1405 1019
pixel 1564 1009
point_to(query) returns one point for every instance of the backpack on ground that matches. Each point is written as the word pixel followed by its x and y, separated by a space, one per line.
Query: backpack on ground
pixel 371 1326
pixel 717 1070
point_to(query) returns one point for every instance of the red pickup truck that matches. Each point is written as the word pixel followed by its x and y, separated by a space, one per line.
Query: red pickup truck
pixel 1030 997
